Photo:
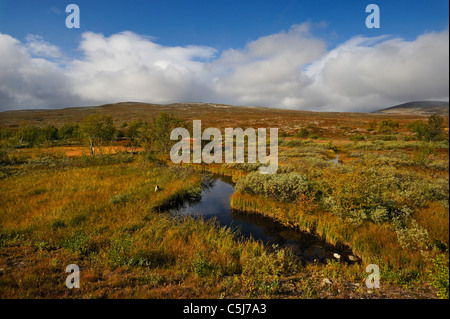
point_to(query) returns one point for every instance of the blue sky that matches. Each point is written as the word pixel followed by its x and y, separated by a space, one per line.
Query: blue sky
pixel 223 32
pixel 218 23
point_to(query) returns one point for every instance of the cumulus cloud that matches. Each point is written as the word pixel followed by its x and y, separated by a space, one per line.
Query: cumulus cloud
pixel 267 71
pixel 127 66
pixel 290 69
pixel 29 82
pixel 39 47
pixel 369 73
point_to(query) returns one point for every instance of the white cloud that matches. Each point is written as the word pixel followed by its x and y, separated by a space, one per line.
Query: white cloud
pixel 268 70
pixel 289 69
pixel 39 47
pixel 28 82
pixel 127 66
pixel 366 73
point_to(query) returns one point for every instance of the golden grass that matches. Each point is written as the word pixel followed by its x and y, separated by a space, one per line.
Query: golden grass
pixel 124 247
pixel 105 218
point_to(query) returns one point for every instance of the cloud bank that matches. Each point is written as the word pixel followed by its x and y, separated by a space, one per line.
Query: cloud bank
pixel 290 69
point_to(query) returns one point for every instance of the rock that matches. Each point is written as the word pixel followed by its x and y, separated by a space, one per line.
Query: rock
pixel 337 256
pixel 326 281
pixel 352 258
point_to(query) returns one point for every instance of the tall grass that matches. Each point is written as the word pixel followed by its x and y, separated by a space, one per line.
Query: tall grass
pixel 107 220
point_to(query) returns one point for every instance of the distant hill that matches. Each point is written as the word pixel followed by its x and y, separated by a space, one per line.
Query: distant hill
pixel 418 108
pixel 212 115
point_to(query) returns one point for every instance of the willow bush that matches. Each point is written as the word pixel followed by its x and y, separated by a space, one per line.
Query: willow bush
pixel 284 187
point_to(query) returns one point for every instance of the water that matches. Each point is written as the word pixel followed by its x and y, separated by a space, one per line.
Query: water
pixel 336 160
pixel 215 203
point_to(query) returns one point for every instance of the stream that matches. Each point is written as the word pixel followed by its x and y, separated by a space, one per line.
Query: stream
pixel 215 203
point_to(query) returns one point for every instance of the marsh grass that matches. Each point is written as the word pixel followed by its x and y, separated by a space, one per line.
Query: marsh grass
pixel 108 219
pixel 60 206
pixel 389 216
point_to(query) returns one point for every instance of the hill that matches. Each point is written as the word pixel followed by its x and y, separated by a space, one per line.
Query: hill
pixel 418 108
pixel 212 115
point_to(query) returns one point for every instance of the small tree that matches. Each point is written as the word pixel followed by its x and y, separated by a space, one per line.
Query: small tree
pixel 68 131
pixel 435 128
pixel 30 134
pixel 158 137
pixel 431 131
pixel 98 128
pixel 303 133
pixel 50 133
pixel 419 128
pixel 136 132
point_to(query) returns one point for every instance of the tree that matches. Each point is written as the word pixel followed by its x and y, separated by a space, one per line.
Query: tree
pixel 419 128
pixel 68 131
pixel 435 130
pixel 50 133
pixel 98 128
pixel 136 132
pixel 158 137
pixel 30 134
pixel 303 133
pixel 431 131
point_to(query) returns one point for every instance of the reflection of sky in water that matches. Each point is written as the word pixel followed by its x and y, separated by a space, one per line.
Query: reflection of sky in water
pixel 215 203
pixel 215 200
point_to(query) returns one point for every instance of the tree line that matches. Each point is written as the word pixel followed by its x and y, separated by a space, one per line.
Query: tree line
pixel 98 129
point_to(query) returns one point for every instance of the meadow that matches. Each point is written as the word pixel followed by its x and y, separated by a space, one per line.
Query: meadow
pixel 369 182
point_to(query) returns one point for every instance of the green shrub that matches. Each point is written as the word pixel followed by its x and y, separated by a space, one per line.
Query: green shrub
pixel 58 223
pixel 413 237
pixel 203 267
pixel 440 275
pixel 379 193
pixel 384 138
pixel 303 133
pixel 431 131
pixel 119 252
pixel 291 143
pixel 356 138
pixel 388 126
pixel 79 243
pixel 283 187
pixel 247 167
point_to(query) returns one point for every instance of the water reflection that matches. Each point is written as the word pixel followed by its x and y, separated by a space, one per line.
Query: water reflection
pixel 215 203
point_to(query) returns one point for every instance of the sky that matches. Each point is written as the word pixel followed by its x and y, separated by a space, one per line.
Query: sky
pixel 293 54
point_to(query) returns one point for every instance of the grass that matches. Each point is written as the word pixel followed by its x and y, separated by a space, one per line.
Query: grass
pixel 107 220
pixel 387 199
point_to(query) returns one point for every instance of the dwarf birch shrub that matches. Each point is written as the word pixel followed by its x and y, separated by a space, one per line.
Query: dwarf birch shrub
pixel 413 237
pixel 283 187
pixel 440 275
pixel 379 193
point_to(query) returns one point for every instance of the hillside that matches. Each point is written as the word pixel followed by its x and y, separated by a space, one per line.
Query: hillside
pixel 212 115
pixel 418 108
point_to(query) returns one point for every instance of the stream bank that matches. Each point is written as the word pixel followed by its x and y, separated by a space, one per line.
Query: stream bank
pixel 214 203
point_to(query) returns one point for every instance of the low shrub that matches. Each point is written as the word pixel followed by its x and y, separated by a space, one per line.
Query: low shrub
pixel 283 187
pixel 440 275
